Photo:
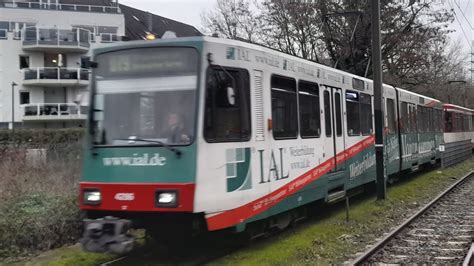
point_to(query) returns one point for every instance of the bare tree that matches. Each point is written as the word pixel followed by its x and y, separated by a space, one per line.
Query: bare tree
pixel 232 19
pixel 338 33
pixel 293 27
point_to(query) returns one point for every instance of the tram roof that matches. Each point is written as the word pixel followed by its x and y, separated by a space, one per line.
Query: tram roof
pixel 197 39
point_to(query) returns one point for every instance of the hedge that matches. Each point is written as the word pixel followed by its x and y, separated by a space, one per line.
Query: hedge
pixel 41 136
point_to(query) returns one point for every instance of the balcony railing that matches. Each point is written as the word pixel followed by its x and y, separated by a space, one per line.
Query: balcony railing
pixel 109 37
pixel 56 75
pixel 54 111
pixel 59 6
pixel 34 37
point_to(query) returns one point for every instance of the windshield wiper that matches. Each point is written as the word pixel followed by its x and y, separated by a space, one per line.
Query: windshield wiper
pixel 174 150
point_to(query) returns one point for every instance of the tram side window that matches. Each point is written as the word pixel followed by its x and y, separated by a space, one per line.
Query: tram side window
pixel 327 113
pixel 413 121
pixel 434 121
pixel 437 119
pixel 227 112
pixel 404 119
pixel 472 122
pixel 419 114
pixel 469 120
pixel 430 122
pixel 391 116
pixel 422 120
pixel 310 113
pixel 337 107
pixel 426 119
pixel 466 122
pixel 366 114
pixel 448 122
pixel 284 109
pixel 441 120
pixel 353 113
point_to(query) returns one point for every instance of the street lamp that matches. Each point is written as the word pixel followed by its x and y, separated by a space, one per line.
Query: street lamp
pixel 13 104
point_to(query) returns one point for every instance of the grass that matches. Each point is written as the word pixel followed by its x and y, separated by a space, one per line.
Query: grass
pixel 331 240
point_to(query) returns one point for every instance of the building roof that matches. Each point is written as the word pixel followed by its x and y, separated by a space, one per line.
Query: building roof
pixel 137 25
pixel 137 21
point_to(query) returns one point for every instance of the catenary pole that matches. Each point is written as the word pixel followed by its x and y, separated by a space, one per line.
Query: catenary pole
pixel 378 104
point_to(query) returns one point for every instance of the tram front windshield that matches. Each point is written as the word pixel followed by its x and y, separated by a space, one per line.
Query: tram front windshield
pixel 145 96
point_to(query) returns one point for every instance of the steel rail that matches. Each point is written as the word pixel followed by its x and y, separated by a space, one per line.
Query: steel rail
pixel 468 258
pixel 377 246
pixel 113 261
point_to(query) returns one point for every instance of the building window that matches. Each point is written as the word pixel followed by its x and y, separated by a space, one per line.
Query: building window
pixel 327 113
pixel 5 25
pixel 24 61
pixel 55 60
pixel 353 113
pixel 85 62
pixel 310 124
pixel 227 112
pixel 105 29
pixel 24 97
pixel 284 109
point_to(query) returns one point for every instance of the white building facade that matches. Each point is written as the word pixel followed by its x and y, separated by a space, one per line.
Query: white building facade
pixel 44 49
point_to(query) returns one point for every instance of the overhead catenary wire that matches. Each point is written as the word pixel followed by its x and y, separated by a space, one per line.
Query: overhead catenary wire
pixel 463 14
pixel 460 24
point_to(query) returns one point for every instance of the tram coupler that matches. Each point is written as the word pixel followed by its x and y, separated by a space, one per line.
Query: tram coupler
pixel 107 235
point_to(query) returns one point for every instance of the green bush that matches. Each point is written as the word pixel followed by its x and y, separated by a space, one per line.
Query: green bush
pixel 31 223
pixel 38 197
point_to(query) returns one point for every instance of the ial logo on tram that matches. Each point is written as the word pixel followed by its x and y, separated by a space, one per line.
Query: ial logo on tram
pixel 238 172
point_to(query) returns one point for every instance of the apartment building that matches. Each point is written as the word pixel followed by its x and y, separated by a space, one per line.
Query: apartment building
pixel 44 49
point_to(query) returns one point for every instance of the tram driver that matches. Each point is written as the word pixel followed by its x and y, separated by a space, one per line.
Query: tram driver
pixel 175 131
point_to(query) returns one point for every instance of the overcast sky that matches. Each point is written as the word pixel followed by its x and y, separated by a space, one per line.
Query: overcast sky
pixel 189 12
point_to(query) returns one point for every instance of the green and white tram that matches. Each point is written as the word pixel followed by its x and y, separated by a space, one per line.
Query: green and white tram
pixel 205 134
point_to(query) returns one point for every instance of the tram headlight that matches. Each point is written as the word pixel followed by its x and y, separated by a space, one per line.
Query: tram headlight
pixel 92 197
pixel 166 198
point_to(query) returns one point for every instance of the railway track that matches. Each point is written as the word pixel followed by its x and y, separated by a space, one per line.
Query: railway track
pixel 440 233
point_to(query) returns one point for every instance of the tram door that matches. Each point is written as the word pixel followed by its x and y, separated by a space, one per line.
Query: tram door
pixel 332 98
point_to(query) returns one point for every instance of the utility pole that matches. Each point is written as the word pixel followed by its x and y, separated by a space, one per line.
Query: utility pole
pixel 378 103
pixel 472 70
